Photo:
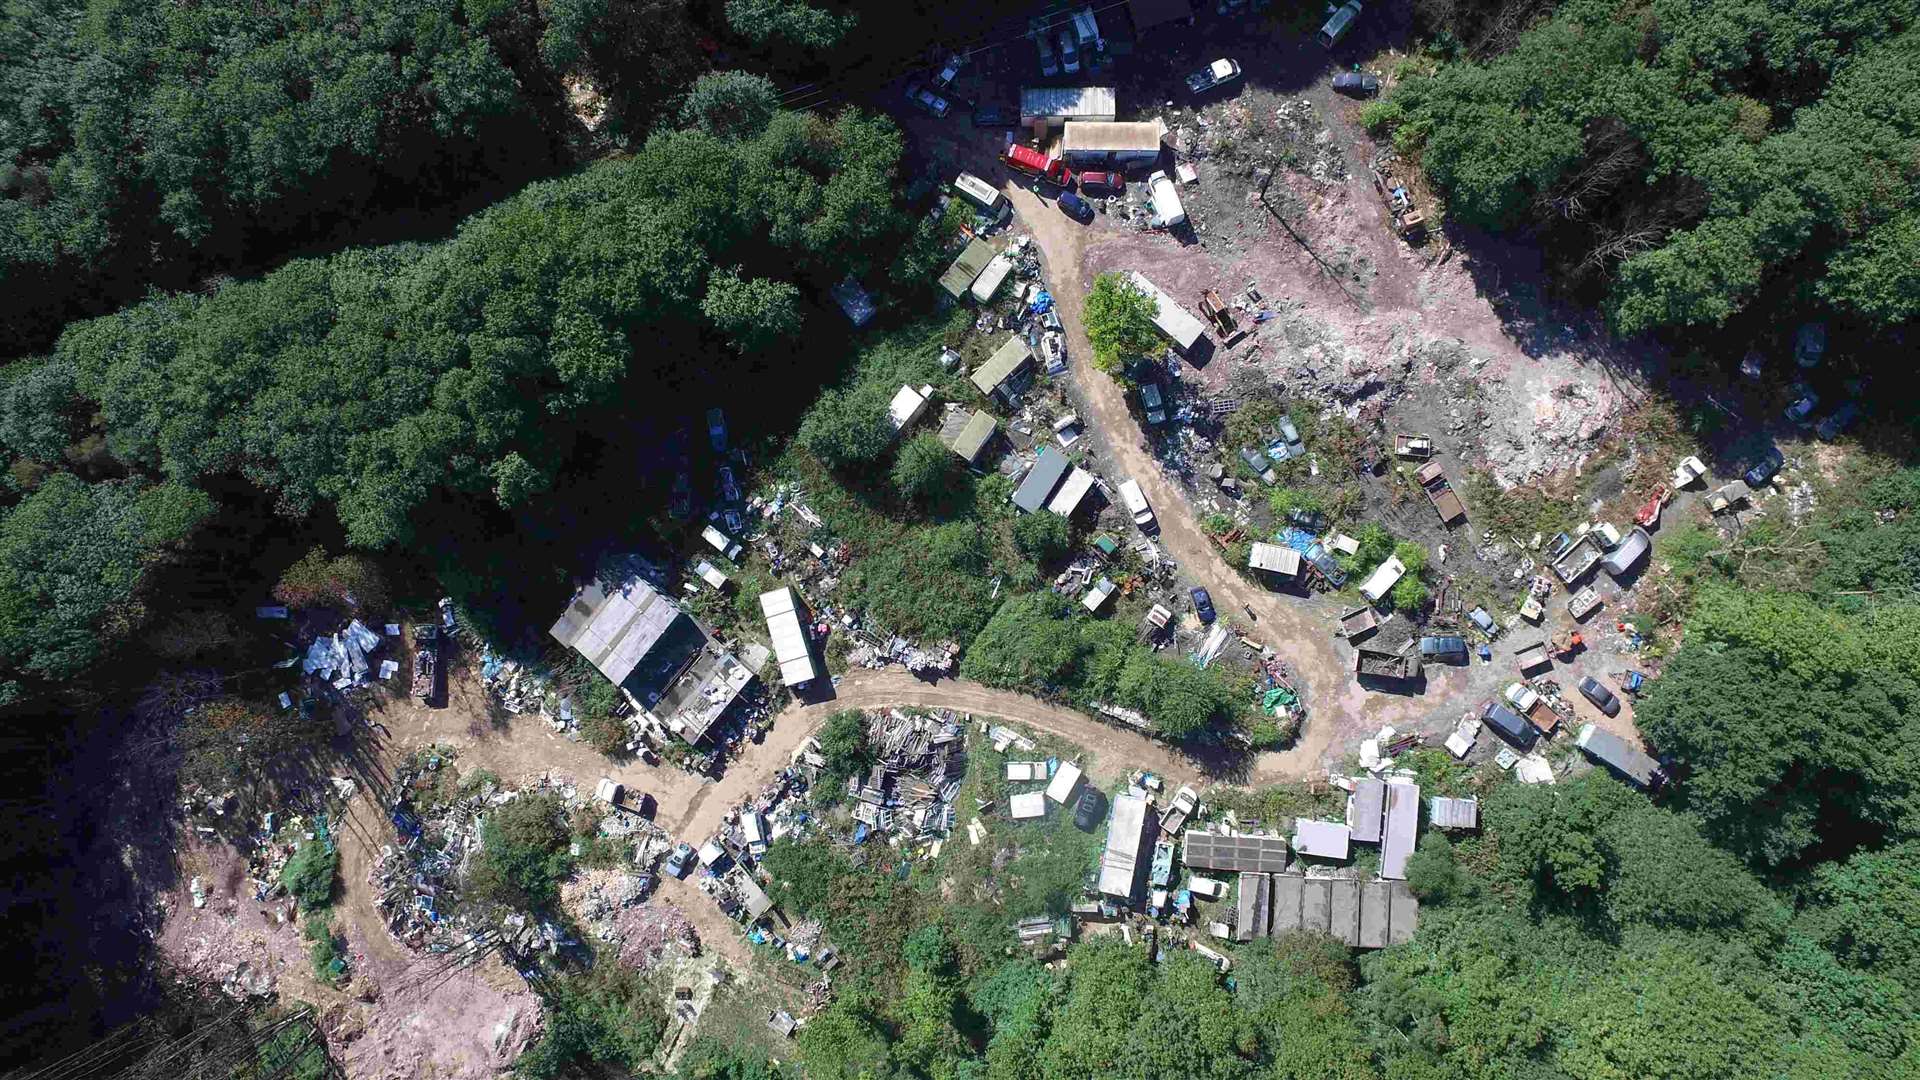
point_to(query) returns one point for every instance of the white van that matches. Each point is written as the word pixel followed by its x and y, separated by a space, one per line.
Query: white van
pixel 1136 503
pixel 1167 211
pixel 1207 887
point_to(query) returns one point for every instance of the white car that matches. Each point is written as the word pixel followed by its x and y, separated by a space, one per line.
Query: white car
pixel 1218 73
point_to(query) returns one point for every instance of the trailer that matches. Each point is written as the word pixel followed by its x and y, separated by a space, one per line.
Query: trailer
pixel 1359 622
pixel 426 659
pixel 1414 447
pixel 1578 560
pixel 1533 657
pixel 1582 603
pixel 1381 664
pixel 1218 315
pixel 1618 756
pixel 1446 502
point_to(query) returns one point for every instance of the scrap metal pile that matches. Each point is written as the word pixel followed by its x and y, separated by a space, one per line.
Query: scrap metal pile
pixel 920 760
pixel 414 875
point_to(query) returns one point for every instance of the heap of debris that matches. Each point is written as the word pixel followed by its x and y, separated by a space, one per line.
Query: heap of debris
pixel 920 761
pixel 412 875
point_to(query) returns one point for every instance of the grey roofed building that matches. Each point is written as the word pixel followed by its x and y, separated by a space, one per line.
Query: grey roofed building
pixel 1446 813
pixel 1212 851
pixel 658 656
pixel 1126 834
pixel 1254 906
pixel 1402 830
pixel 1623 759
pixel 637 638
pixel 1367 809
pixel 1048 470
pixel 1321 839
pixel 975 436
pixel 1060 103
pixel 1007 362
pixel 1366 915
pixel 959 277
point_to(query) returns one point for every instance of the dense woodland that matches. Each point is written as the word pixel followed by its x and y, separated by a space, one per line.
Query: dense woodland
pixel 489 408
pixel 1686 160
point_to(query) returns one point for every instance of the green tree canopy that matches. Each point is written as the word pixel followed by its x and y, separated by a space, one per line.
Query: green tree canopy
pixel 1120 323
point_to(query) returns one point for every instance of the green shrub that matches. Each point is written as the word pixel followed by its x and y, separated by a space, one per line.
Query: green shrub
pixel 326 950
pixel 606 1017
pixel 308 875
pixel 523 857
pixel 1382 116
pixel 1432 872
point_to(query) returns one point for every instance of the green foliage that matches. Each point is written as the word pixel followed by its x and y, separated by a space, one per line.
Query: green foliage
pixel 607 1017
pixel 1432 872
pixel 1873 545
pixel 843 742
pixel 843 1042
pixel 1375 544
pixel 524 854
pixel 925 470
pixel 1409 594
pixel 1038 642
pixel 375 381
pixel 326 951
pixel 730 104
pixel 753 313
pixel 1294 993
pixel 1868 912
pixel 1781 712
pixel 309 873
pixel 804 875
pixel 1119 323
pixel 1285 500
pixel 710 1058
pixel 74 558
pixel 848 429
pixel 1044 538
pixel 792 22
pixel 1695 167
pixel 347 583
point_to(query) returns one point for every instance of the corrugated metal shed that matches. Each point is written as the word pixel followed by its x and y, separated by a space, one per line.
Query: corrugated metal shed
pixel 1254 906
pixel 959 277
pixel 1402 830
pixel 782 609
pixel 1066 103
pixel 1274 559
pixel 1180 326
pixel 1079 482
pixel 1001 366
pixel 1100 137
pixel 1367 809
pixel 1323 839
pixel 975 436
pixel 1211 851
pixel 1343 910
pixel 1287 890
pixel 618 627
pixel 1037 488
pixel 1375 910
pixel 1366 915
pixel 1126 831
pixel 1446 813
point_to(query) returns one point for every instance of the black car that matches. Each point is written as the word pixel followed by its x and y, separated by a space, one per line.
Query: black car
pixel 1203 605
pixel 1355 84
pixel 1764 469
pixel 1443 647
pixel 996 116
pixel 1601 697
pixel 1087 811
pixel 1508 725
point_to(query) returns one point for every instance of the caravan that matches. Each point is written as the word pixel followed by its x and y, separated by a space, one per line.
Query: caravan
pixel 1167 211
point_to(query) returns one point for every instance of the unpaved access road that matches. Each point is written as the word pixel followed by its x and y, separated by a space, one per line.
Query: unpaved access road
pixel 1337 705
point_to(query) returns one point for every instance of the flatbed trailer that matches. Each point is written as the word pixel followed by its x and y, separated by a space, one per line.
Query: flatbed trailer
pixel 1381 664
pixel 1577 561
pixel 1533 657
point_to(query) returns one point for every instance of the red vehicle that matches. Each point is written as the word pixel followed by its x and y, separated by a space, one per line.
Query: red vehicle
pixel 1034 163
pixel 1108 183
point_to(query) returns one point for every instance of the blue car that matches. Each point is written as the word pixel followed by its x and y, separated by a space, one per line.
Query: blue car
pixel 1764 469
pixel 1074 206
pixel 1203 605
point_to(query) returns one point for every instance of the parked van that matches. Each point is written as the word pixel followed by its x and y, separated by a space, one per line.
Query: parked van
pixel 1088 30
pixel 1152 403
pixel 1135 501
pixel 979 192
pixel 1167 211
pixel 1210 888
pixel 1337 26
pixel 1622 558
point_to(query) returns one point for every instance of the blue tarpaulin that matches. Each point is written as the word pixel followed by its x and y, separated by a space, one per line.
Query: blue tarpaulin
pixel 1042 303
pixel 860 833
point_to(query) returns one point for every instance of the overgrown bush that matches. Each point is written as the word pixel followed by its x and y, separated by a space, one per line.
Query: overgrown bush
pixel 607 1018
pixel 325 949
pixel 308 875
pixel 348 582
pixel 523 857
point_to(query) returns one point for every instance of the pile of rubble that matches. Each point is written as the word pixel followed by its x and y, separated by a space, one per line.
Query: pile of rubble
pixel 612 907
pixel 920 761
pixel 411 875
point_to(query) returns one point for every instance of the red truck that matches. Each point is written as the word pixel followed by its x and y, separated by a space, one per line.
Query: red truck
pixel 1034 163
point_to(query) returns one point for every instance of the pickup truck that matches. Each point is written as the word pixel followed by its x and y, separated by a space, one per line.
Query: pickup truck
pixel 1381 664
pixel 1184 802
pixel 1528 702
pixel 1578 560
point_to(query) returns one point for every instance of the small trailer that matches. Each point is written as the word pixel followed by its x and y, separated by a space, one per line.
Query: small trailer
pixel 426 659
pixel 1583 603
pixel 1578 560
pixel 1381 664
pixel 1533 657
pixel 1359 622
pixel 1218 315
pixel 1414 447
